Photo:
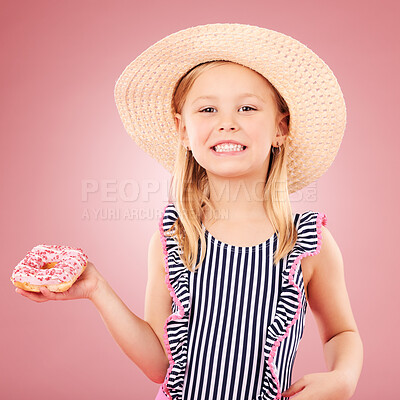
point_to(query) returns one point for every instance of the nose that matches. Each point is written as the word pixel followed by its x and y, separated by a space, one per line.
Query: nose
pixel 228 125
pixel 228 128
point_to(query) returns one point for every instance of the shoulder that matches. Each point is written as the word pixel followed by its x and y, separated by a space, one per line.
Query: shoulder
pixel 326 260
pixel 158 243
pixel 156 252
pixel 327 292
pixel 329 254
pixel 316 243
pixel 309 226
pixel 309 219
pixel 312 232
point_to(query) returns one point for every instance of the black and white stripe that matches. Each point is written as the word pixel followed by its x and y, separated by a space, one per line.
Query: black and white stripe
pixel 230 314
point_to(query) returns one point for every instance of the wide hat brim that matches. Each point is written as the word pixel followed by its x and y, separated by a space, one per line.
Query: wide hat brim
pixel 317 109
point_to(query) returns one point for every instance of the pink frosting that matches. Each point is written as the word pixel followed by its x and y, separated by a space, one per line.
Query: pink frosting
pixel 321 219
pixel 70 263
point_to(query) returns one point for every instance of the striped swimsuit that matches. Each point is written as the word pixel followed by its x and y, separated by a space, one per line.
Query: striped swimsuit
pixel 237 321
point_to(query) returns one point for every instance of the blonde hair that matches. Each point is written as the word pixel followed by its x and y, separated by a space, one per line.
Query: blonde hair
pixel 190 188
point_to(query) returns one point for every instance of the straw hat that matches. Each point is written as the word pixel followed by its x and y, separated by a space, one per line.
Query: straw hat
pixel 317 109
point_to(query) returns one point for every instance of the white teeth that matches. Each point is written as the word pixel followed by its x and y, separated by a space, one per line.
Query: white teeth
pixel 228 147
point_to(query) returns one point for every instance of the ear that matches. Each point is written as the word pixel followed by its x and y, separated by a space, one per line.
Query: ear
pixel 282 128
pixel 181 130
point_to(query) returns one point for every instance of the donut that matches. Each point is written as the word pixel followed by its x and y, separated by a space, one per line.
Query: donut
pixel 56 267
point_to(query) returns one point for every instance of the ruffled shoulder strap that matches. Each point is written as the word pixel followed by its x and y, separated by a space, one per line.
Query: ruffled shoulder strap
pixel 291 304
pixel 176 325
pixel 170 215
pixel 309 238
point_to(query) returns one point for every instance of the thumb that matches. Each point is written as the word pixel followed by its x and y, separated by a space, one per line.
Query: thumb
pixel 295 388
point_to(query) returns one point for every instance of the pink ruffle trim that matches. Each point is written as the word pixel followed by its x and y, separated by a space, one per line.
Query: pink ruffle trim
pixel 321 219
pixel 176 300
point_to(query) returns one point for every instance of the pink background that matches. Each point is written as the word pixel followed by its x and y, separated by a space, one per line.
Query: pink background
pixel 60 131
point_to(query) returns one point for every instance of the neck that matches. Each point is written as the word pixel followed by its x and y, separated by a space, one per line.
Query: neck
pixel 237 199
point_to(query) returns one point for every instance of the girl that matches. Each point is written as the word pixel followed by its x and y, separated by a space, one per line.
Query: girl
pixel 242 116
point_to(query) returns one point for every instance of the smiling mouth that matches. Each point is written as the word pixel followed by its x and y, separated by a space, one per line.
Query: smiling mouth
pixel 229 148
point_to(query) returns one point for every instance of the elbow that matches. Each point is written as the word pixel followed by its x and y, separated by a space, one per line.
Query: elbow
pixel 158 376
pixel 159 379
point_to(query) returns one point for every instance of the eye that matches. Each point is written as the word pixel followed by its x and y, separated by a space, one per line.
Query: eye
pixel 207 108
pixel 212 108
pixel 250 108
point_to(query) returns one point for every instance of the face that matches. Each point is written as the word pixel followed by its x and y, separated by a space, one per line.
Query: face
pixel 230 103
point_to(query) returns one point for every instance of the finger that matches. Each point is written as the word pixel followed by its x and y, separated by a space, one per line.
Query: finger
pixel 65 295
pixel 38 297
pixel 49 295
pixel 297 396
pixel 304 395
pixel 296 387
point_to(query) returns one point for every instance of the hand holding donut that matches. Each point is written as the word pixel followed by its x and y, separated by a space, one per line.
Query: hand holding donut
pixel 83 288
pixel 48 269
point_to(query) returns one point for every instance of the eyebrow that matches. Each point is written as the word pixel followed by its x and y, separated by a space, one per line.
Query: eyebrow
pixel 240 96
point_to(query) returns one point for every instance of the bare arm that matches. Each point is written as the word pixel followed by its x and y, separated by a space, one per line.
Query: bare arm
pixel 329 301
pixel 344 353
pixel 141 340
pixel 158 304
pixel 134 336
pixel 342 346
